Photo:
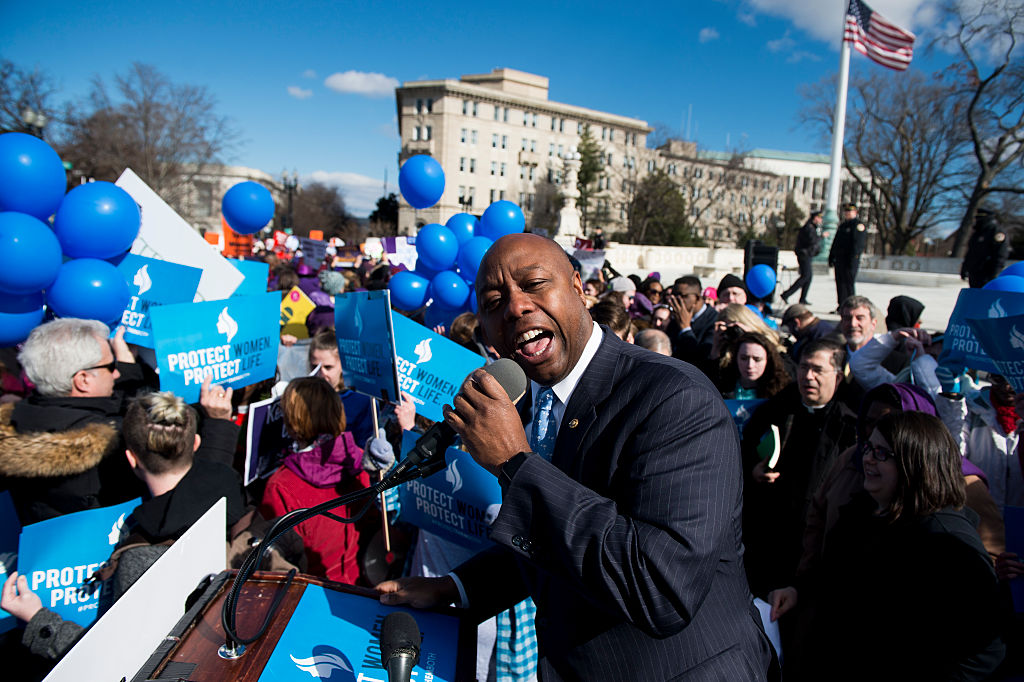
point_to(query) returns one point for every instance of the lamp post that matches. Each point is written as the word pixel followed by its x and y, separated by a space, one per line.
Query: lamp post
pixel 289 184
pixel 34 121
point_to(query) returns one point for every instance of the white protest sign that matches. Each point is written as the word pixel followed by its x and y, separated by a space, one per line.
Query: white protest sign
pixel 166 236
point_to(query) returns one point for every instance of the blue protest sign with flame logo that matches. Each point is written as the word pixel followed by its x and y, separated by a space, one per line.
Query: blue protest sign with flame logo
pixel 459 506
pixel 153 283
pixel 366 346
pixel 336 636
pixel 57 556
pixel 960 346
pixel 1002 338
pixel 234 341
pixel 256 275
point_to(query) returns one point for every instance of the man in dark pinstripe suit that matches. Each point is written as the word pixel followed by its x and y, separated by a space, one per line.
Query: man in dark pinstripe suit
pixel 628 540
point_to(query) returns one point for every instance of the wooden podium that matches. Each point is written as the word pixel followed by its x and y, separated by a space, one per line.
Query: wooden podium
pixel 190 650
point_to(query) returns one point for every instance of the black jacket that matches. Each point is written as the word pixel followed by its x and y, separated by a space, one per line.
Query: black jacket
pixel 808 240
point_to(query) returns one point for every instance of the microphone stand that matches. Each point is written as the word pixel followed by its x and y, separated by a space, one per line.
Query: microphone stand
pixel 234 645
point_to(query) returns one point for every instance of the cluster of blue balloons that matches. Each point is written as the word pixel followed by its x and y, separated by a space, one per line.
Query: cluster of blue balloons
pixel 247 207
pixel 1010 279
pixel 65 268
pixel 447 256
pixel 761 280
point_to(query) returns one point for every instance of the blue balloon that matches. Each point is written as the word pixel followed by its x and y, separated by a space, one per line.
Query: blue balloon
pixel 1006 283
pixel 463 225
pixel 32 178
pixel 761 280
pixel 1015 269
pixel 89 288
pixel 408 290
pixel 439 315
pixel 97 220
pixel 30 254
pixel 501 218
pixel 421 181
pixel 437 246
pixel 449 290
pixel 19 315
pixel 247 207
pixel 470 255
pixel 423 271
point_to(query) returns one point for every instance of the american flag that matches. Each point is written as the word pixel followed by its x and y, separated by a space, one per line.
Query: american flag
pixel 873 35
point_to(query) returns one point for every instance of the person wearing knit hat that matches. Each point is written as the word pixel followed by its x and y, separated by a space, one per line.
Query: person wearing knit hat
pixel 732 290
pixel 332 282
pixel 621 290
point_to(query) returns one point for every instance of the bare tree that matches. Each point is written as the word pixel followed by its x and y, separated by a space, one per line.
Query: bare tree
pixel 658 214
pixel 167 133
pixel 986 35
pixel 21 90
pixel 903 140
pixel 321 207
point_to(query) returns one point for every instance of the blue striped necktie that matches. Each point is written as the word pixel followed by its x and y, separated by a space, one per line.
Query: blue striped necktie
pixel 545 430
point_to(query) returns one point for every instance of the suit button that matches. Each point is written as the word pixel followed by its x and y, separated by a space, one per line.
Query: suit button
pixel 517 540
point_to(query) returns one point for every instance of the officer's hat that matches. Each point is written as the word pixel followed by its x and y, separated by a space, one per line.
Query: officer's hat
pixel 849 207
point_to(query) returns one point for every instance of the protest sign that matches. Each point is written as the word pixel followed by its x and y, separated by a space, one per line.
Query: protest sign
pixel 430 367
pixel 459 506
pixel 153 283
pixel 366 344
pixel 591 263
pixel 58 556
pixel 313 251
pixel 1002 339
pixel 10 528
pixel 1014 517
pixel 166 236
pixel 265 439
pixel 236 245
pixel 256 274
pixel 401 251
pixel 960 346
pixel 742 410
pixel 336 632
pixel 234 341
pixel 295 308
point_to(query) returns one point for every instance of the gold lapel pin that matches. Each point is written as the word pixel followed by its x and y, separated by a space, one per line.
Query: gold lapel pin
pixel 573 423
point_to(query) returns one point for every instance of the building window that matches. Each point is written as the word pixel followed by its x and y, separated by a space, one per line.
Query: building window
pixel 554 122
pixel 778 204
pixel 504 141
pixel 609 162
pixel 698 172
pixel 494 140
pixel 533 145
pixel 501 195
pixel 560 151
pixel 696 192
pixel 743 200
pixel 561 125
pixel 475 107
pixel 503 170
pixel 462 137
pixel 462 163
pixel 522 198
pixel 532 168
pixel 472 194
pixel 419 106
pixel 670 168
pixel 522 172
pixel 472 165
pixel 744 181
pixel 579 127
pixel 526 118
pixel 428 132
pixel 781 186
pixel 473 137
pixel 551 149
pixel 651 165
pixel 505 117
pixel 529 201
pixel 524 146
pixel 535 120
pixel 494 167
pixel 430 105
pixel 462 194
pixel 465 107
pixel 494 194
pixel 611 134
pixel 604 133
pixel 415 133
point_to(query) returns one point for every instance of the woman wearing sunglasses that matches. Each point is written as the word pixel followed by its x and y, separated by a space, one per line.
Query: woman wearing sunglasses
pixel 904 588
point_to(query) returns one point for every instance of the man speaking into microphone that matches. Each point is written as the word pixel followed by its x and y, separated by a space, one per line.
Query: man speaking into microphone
pixel 620 475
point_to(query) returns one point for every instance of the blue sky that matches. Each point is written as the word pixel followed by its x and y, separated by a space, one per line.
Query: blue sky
pixel 310 86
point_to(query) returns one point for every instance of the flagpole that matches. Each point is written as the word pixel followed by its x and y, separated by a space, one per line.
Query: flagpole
pixel 831 218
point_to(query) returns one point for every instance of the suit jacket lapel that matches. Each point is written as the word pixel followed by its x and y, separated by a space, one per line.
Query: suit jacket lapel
pixel 581 412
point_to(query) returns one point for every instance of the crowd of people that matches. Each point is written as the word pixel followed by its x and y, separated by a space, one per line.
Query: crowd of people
pixel 872 490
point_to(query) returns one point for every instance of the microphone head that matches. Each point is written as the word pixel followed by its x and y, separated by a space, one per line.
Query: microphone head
pixel 399 634
pixel 511 377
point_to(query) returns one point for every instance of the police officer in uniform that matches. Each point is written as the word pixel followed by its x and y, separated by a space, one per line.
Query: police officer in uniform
pixel 808 245
pixel 845 253
pixel 987 251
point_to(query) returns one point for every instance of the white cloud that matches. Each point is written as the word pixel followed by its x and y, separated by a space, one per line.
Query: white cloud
pixel 360 191
pixel 824 20
pixel 309 73
pixel 783 44
pixel 707 34
pixel 298 93
pixel 747 17
pixel 362 83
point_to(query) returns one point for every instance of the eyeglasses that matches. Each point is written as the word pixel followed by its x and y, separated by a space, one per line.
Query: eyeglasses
pixel 815 370
pixel 878 453
pixel 110 367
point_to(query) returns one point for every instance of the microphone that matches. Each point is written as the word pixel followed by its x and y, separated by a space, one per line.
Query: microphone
pixel 428 453
pixel 399 646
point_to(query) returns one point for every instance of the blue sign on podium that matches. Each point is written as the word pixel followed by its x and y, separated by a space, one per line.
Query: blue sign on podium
pixel 336 636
